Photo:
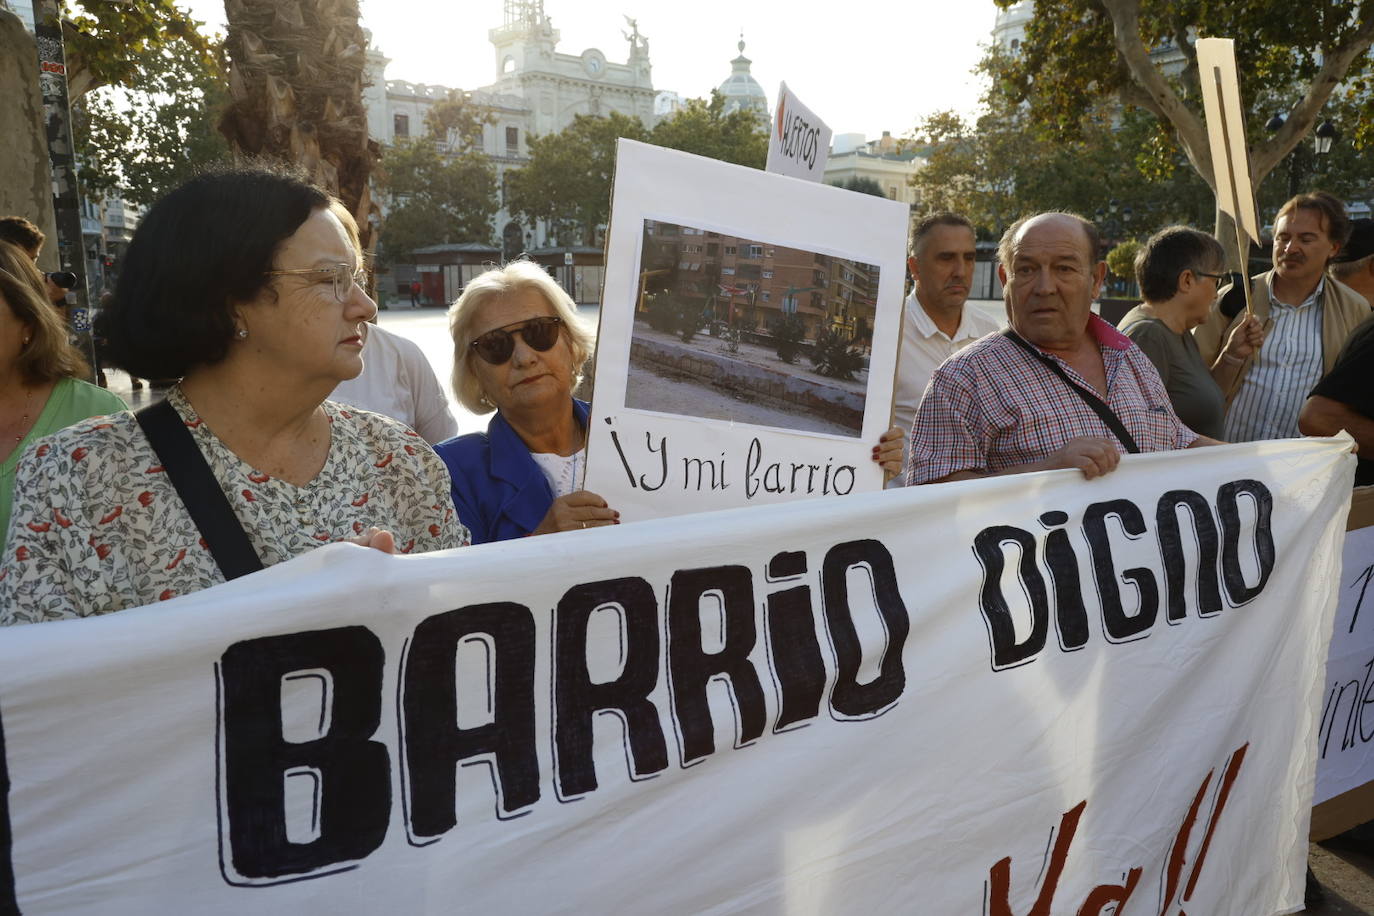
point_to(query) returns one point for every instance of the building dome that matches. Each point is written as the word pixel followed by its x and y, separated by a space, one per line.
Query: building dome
pixel 741 91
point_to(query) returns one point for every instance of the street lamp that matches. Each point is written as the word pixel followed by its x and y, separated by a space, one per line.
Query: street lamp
pixel 1326 135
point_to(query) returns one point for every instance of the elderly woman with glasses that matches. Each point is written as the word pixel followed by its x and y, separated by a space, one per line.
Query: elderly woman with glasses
pixel 519 349
pixel 243 283
pixel 1179 270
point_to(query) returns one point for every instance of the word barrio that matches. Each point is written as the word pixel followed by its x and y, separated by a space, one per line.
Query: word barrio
pixel 816 699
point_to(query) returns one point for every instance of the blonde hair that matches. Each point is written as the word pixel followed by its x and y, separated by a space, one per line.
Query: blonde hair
pixel 48 355
pixel 495 284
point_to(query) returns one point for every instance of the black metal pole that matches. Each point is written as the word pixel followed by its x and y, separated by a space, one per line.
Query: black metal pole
pixel 71 248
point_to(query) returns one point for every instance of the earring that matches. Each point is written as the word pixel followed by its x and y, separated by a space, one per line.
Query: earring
pixel 243 333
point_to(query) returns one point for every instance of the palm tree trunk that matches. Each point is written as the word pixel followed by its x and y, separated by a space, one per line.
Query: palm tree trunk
pixel 296 76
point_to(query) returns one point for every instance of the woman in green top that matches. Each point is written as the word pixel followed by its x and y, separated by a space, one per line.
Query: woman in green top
pixel 38 392
pixel 1179 270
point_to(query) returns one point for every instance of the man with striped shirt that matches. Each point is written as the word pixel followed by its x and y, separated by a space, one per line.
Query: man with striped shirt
pixel 1061 389
pixel 1308 315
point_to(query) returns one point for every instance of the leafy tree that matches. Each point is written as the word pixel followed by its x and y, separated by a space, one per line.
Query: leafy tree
pixel 1006 167
pixel 437 199
pixel 1079 52
pixel 109 44
pixel 1121 259
pixel 861 185
pixel 140 143
pixel 567 181
pixel 702 127
pixel 458 120
pixel 788 332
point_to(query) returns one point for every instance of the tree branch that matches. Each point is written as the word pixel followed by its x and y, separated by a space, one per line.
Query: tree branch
pixel 1335 62
pixel 1163 101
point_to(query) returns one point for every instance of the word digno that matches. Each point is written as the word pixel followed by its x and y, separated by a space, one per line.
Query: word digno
pixel 1212 548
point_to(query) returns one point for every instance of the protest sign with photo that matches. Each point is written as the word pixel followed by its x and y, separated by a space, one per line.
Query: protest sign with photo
pixel 748 337
pixel 799 143
pixel 1026 694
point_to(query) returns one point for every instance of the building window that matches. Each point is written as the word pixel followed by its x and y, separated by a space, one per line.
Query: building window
pixel 727 271
pixel 731 249
pixel 755 251
pixel 401 125
pixel 892 191
pixel 512 141
pixel 767 295
pixel 767 275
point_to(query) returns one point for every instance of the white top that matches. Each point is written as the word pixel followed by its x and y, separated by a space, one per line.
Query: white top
pixel 925 347
pixel 398 381
pixel 1284 372
pixel 561 470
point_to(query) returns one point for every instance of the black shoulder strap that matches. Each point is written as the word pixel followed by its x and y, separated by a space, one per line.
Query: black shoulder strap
pixel 199 490
pixel 1104 413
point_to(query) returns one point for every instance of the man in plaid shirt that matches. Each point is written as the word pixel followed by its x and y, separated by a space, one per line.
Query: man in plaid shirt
pixel 998 406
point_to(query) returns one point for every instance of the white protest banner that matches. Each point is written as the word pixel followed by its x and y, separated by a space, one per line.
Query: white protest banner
pixel 748 338
pixel 878 704
pixel 1345 751
pixel 799 143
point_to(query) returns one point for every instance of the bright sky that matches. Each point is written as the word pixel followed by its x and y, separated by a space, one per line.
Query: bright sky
pixel 875 67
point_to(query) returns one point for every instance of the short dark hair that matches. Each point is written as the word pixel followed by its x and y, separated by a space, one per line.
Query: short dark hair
pixel 1090 235
pixel 18 231
pixel 1328 207
pixel 925 224
pixel 199 250
pixel 1170 252
pixel 46 355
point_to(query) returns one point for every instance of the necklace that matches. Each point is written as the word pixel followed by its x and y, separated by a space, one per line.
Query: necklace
pixel 24 418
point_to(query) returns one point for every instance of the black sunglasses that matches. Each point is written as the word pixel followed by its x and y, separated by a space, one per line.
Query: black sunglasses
pixel 496 346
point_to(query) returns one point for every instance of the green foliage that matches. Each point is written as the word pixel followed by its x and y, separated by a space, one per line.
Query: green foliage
pixel 834 357
pixel 702 127
pixel 458 120
pixel 437 199
pixel 1078 54
pixel 861 185
pixel 109 44
pixel 567 181
pixel 140 143
pixel 1005 167
pixel 1121 259
pixel 788 331
pixel 670 316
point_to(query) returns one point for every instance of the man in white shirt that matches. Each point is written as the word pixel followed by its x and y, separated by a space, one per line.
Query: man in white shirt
pixel 397 381
pixel 935 324
pixel 1307 316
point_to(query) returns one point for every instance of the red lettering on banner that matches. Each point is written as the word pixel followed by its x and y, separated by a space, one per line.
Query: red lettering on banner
pixel 50 67
pixel 1105 895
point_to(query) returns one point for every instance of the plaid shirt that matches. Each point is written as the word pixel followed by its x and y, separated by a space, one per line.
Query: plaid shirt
pixel 993 406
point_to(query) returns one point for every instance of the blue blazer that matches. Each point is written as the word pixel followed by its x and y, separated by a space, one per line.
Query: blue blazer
pixel 498 490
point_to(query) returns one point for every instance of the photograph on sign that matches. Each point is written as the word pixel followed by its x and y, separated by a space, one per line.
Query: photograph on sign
pixel 722 326
pixel 748 337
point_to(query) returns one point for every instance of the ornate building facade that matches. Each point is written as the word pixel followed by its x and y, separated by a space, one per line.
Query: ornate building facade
pixel 536 89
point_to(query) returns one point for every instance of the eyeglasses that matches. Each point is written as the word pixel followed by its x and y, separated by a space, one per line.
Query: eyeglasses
pixel 1217 277
pixel 342 275
pixel 497 345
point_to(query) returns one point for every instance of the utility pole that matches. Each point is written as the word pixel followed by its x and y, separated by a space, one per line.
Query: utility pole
pixel 57 122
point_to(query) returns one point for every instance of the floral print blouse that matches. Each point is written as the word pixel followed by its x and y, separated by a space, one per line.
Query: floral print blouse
pixel 98 527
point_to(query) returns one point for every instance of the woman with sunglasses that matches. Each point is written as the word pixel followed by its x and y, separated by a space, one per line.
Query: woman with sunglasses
pixel 518 349
pixel 1179 270
pixel 243 283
